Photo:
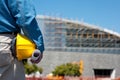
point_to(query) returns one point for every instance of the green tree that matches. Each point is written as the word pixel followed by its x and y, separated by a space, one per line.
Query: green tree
pixel 67 69
pixel 32 68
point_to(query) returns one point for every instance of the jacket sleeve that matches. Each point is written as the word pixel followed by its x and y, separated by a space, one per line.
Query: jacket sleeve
pixel 24 14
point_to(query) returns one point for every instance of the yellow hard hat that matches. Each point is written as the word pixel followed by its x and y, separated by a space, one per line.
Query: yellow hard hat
pixel 24 47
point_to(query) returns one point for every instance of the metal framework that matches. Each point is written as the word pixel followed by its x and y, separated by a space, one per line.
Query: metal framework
pixel 63 34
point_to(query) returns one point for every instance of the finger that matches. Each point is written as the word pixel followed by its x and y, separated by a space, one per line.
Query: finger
pixel 36 61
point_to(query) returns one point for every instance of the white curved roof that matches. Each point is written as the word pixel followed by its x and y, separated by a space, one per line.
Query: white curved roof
pixel 80 23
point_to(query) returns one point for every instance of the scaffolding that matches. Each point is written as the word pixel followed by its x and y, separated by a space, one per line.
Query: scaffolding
pixel 63 34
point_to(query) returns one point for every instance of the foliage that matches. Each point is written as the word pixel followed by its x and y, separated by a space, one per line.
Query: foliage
pixel 40 69
pixel 67 69
pixel 32 68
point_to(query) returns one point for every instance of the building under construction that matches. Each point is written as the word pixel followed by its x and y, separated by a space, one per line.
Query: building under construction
pixel 68 41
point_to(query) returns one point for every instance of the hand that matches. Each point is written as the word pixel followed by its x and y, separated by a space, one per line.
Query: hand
pixel 36 57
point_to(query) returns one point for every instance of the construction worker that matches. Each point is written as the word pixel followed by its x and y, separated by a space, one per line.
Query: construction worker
pixel 14 16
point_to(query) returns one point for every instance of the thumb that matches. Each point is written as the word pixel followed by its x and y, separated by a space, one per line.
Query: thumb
pixel 36 54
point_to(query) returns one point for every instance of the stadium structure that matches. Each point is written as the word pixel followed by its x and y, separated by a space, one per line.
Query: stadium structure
pixel 69 40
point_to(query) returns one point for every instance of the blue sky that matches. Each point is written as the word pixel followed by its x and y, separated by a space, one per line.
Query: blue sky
pixel 104 13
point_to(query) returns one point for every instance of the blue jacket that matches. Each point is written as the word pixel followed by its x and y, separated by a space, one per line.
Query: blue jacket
pixel 20 14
